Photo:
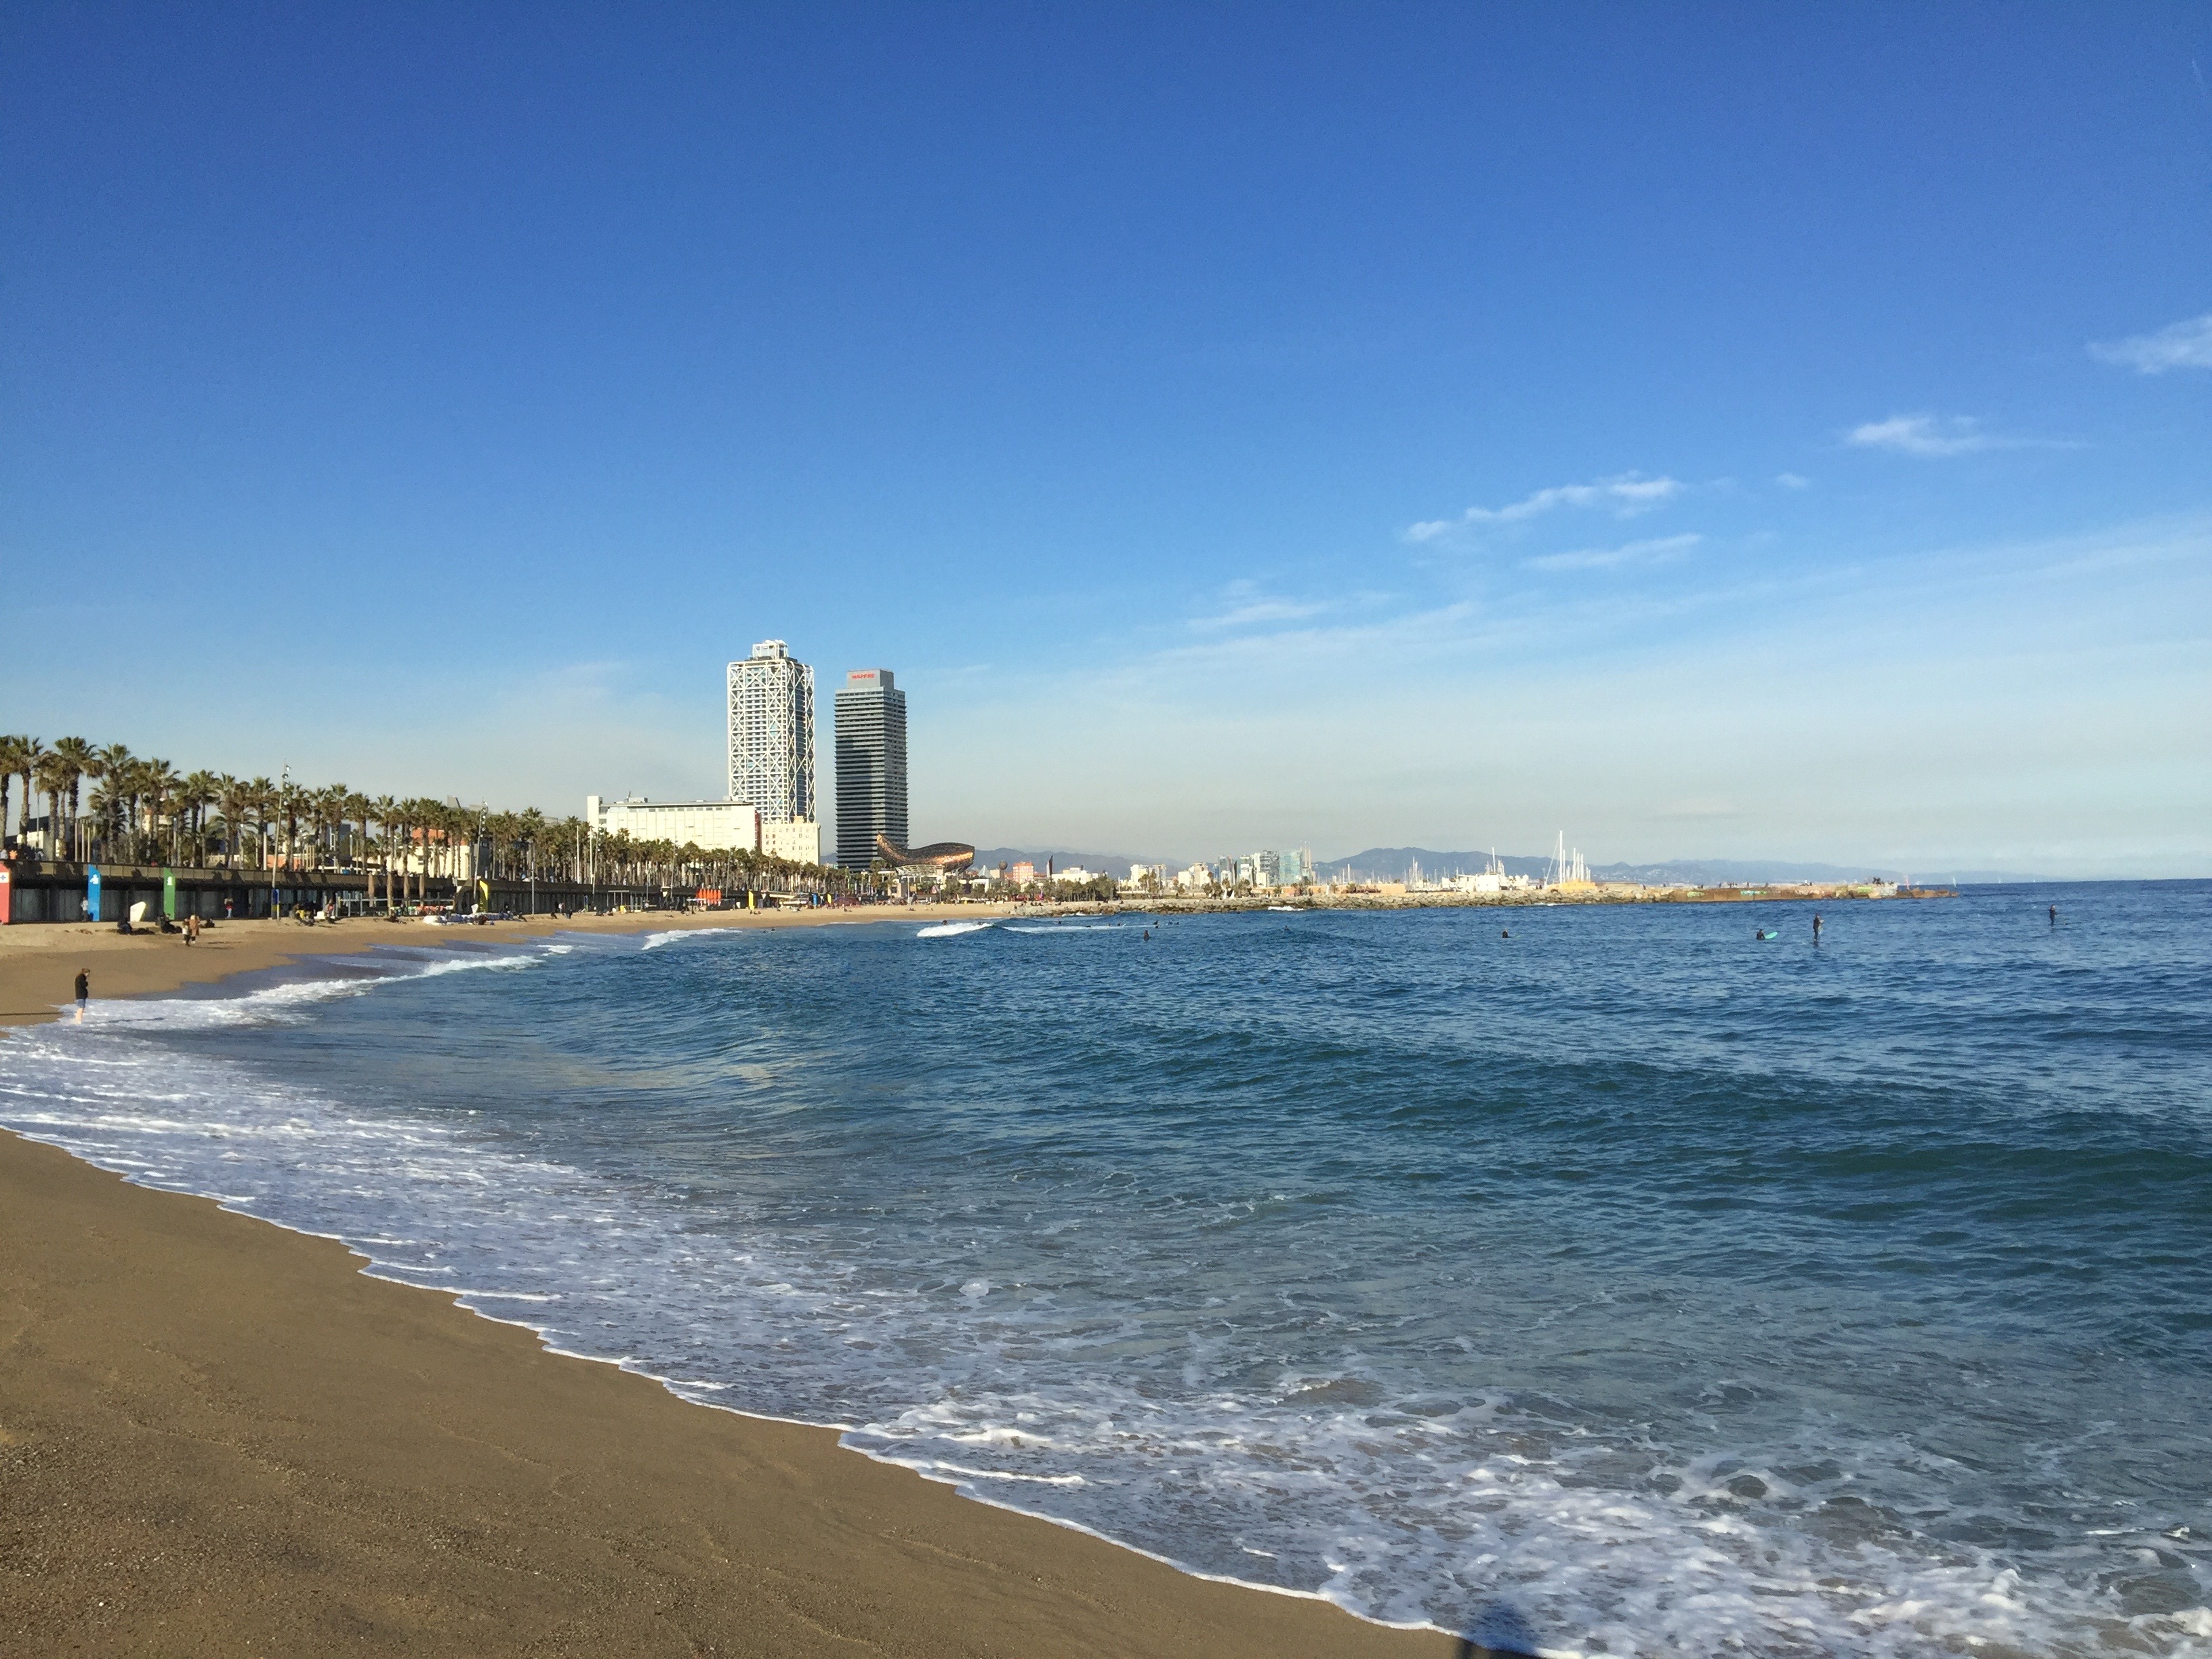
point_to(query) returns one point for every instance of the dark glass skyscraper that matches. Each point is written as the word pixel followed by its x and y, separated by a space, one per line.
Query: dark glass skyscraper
pixel 871 765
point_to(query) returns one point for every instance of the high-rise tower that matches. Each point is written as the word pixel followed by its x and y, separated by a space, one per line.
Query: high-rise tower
pixel 871 765
pixel 772 733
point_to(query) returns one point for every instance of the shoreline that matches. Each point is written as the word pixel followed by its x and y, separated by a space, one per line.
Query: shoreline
pixel 218 1432
pixel 38 960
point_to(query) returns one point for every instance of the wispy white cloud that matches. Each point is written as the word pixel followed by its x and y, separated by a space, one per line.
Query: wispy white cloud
pixel 1244 608
pixel 1252 613
pixel 1625 495
pixel 1793 481
pixel 1938 434
pixel 1658 550
pixel 2179 345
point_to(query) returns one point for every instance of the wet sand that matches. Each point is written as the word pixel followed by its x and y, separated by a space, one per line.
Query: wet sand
pixel 219 1438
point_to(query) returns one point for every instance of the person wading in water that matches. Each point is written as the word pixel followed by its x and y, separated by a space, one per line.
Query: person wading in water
pixel 83 993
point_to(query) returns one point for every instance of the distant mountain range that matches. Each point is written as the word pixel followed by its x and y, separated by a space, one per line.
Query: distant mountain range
pixel 1396 863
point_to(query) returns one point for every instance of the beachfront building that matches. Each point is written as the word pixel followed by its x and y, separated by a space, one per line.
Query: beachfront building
pixel 772 733
pixel 799 840
pixel 871 766
pixel 710 825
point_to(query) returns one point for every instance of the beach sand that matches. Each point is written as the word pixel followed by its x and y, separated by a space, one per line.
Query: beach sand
pixel 218 1438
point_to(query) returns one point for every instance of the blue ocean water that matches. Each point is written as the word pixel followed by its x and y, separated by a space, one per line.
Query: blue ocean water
pixel 1625 1285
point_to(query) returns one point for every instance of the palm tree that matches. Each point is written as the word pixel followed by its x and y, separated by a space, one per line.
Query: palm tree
pixel 194 796
pixel 325 810
pixel 113 762
pixel 74 758
pixel 26 767
pixel 53 773
pixel 106 804
pixel 235 800
pixel 399 838
pixel 291 800
pixel 157 782
pixel 383 807
pixel 260 808
pixel 355 807
pixel 14 756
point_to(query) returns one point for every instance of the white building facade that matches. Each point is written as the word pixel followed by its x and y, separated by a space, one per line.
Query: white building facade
pixel 798 841
pixel 732 826
pixel 772 734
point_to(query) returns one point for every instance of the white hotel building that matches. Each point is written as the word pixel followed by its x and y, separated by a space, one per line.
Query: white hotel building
pixel 771 749
pixel 772 733
pixel 729 826
pixel 770 806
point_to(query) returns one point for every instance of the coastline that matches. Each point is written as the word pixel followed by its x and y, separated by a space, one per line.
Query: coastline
pixel 39 960
pixel 220 1435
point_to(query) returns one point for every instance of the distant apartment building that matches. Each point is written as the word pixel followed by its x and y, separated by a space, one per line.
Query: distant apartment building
pixel 1022 874
pixel 772 733
pixel 729 826
pixel 871 765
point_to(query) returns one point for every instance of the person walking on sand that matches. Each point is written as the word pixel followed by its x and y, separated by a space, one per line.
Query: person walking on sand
pixel 83 993
pixel 192 928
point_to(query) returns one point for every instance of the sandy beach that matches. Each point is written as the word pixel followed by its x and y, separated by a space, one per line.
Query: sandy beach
pixel 217 1437
pixel 38 962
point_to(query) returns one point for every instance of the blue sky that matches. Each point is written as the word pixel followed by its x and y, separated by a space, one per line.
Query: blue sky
pixel 1724 431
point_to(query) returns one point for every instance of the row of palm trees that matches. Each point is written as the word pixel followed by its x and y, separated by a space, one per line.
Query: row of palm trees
pixel 142 811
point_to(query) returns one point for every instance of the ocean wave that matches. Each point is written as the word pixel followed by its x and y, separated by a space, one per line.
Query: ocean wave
pixel 290 1000
pixel 1072 1329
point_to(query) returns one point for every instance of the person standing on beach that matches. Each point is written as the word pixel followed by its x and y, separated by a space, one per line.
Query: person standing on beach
pixel 83 993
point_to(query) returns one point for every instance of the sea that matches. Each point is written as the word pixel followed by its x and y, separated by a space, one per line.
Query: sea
pixel 1581 1280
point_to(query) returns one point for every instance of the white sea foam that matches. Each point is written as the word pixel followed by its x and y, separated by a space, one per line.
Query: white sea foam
pixel 290 1000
